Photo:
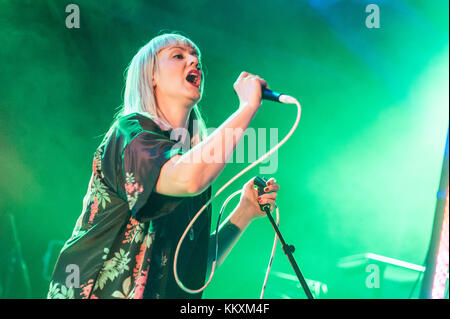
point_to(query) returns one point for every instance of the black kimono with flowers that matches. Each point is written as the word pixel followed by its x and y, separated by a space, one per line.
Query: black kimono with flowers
pixel 124 241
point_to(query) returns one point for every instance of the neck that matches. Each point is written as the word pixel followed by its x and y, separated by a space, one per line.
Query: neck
pixel 174 112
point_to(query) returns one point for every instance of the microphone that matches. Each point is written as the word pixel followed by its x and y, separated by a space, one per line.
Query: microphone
pixel 277 97
pixel 270 95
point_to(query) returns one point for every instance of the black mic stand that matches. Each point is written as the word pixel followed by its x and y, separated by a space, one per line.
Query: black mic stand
pixel 288 249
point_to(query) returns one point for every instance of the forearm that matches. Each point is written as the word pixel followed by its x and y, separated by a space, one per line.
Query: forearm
pixel 229 233
pixel 204 162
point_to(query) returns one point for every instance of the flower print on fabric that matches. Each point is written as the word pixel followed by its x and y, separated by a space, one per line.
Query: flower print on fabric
pixel 94 210
pixel 140 282
pixel 113 267
pixel 139 274
pixel 98 196
pixel 58 291
pixel 125 293
pixel 86 289
pixel 99 192
pixel 135 231
pixel 97 162
pixel 120 240
pixel 133 189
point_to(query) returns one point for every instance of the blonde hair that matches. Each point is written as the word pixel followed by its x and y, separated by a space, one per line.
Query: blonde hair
pixel 139 96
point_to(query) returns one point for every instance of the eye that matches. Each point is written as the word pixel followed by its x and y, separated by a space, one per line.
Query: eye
pixel 178 56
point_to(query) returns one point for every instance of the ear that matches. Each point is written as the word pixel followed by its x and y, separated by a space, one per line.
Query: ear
pixel 155 73
pixel 154 81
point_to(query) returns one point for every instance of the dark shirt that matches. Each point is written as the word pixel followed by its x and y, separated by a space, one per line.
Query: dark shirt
pixel 124 241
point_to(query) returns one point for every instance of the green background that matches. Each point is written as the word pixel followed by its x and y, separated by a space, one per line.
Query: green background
pixel 359 175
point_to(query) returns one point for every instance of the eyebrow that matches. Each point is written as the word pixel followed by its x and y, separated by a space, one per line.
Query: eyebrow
pixel 194 52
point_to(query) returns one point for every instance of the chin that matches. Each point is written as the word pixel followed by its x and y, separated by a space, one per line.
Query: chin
pixel 195 98
pixel 194 102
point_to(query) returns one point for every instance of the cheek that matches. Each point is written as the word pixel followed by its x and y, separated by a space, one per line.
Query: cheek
pixel 169 78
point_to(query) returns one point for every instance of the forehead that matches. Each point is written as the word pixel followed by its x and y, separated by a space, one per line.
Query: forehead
pixel 184 47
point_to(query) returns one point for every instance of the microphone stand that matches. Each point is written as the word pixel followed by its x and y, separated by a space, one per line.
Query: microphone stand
pixel 288 250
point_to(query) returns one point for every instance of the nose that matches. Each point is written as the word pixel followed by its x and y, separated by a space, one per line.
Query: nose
pixel 193 60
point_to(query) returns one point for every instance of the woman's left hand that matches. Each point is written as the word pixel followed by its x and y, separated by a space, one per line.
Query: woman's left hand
pixel 250 200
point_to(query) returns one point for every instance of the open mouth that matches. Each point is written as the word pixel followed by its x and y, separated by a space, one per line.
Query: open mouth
pixel 194 78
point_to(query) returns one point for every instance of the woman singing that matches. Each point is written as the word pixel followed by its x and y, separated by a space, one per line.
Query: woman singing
pixel 146 186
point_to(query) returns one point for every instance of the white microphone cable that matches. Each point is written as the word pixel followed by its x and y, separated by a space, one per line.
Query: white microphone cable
pixel 286 99
pixel 274 246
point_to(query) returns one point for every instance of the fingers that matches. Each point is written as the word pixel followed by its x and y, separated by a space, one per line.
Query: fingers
pixel 264 200
pixel 262 81
pixel 272 188
pixel 271 185
pixel 269 196
pixel 245 75
pixel 242 75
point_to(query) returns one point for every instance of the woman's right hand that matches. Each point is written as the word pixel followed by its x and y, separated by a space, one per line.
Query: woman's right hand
pixel 248 88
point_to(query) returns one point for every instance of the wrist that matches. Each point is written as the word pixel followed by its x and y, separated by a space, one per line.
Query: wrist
pixel 249 106
pixel 241 218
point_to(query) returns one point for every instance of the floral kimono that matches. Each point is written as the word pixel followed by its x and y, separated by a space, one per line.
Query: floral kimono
pixel 124 241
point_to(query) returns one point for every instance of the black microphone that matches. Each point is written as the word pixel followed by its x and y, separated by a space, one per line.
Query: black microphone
pixel 270 95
